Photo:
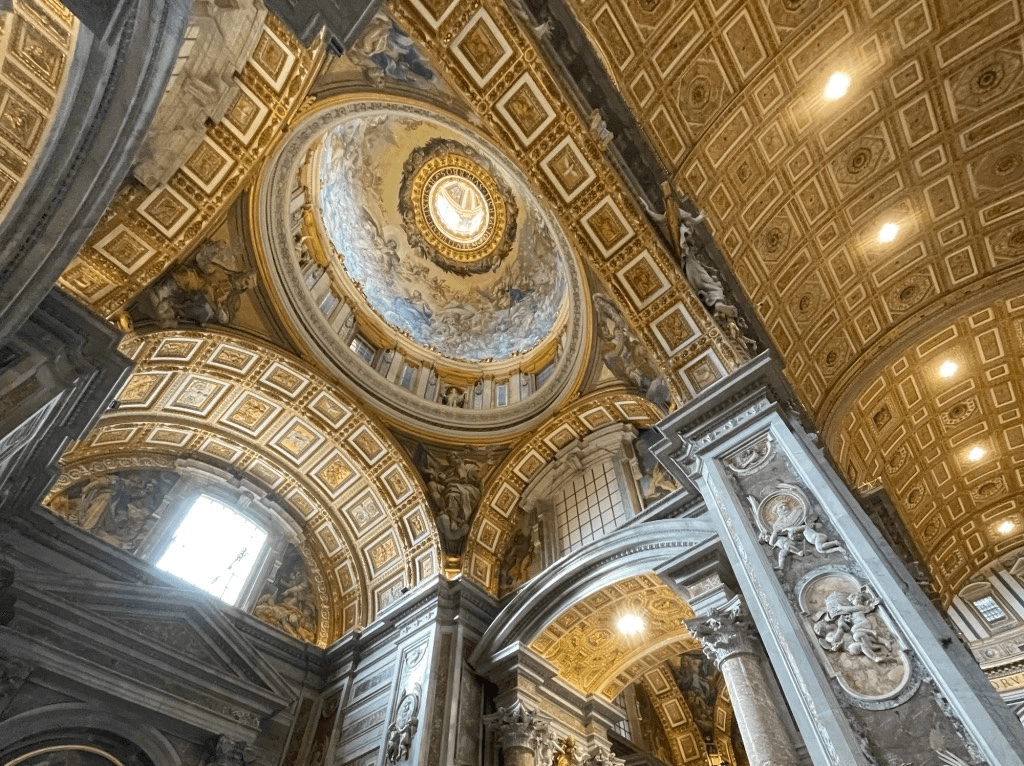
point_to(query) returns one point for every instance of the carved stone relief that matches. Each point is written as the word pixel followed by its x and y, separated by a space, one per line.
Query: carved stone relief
pixel 788 525
pixel 120 508
pixel 288 603
pixel 454 483
pixel 517 726
pixel 403 727
pixel 859 645
pixel 752 457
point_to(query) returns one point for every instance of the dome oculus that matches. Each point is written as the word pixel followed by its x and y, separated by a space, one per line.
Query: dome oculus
pixel 458 209
pixel 461 215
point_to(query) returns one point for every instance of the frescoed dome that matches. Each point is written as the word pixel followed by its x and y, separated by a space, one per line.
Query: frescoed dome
pixel 443 239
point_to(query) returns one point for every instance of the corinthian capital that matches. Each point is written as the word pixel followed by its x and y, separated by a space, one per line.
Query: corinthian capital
pixel 725 632
pixel 518 726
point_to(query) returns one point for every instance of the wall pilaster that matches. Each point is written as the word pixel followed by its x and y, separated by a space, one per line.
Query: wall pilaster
pixel 849 633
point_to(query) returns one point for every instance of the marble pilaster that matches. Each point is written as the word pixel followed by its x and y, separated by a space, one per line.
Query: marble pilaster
pixel 846 628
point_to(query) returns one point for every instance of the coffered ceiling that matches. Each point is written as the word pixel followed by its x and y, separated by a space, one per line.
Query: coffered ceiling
pixel 797 188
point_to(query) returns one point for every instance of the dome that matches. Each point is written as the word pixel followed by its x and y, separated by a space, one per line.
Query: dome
pixel 440 237
pixel 400 242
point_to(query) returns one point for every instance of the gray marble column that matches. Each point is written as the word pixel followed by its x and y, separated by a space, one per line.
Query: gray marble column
pixel 869 668
pixel 728 637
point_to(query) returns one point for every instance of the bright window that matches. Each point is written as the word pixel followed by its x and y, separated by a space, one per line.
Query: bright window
pixel 214 548
pixel 990 609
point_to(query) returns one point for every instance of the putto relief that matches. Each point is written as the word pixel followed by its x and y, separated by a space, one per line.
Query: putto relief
pixel 789 526
pixel 851 629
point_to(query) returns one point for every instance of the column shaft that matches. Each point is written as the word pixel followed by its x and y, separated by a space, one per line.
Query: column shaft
pixel 762 730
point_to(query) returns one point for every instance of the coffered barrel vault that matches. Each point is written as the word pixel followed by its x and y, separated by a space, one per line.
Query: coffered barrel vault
pixel 797 188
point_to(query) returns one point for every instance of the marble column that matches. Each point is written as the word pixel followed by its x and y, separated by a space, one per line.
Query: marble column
pixel 729 638
pixel 869 668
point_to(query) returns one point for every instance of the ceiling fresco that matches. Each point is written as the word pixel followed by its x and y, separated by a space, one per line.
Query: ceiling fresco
pixel 441 235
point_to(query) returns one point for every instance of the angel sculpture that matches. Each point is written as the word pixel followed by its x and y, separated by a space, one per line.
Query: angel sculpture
pixel 453 484
pixel 681 230
pixel 784 518
pixel 844 625
pixel 201 290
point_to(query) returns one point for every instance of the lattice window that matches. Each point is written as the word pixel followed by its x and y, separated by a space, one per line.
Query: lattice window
pixel 589 507
pixel 990 609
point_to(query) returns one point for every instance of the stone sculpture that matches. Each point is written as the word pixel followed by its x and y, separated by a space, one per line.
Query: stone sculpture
pixel 398 743
pixel 200 290
pixel 626 356
pixel 119 508
pixel 453 485
pixel 786 522
pixel 704 280
pixel 844 625
pixel 289 604
pixel 566 754
pixel 656 483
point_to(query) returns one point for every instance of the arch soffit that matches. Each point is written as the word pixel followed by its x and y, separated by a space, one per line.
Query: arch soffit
pixel 626 553
pixel 496 515
pixel 55 718
pixel 258 411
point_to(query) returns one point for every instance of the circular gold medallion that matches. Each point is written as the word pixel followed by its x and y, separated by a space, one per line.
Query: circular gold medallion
pixel 454 208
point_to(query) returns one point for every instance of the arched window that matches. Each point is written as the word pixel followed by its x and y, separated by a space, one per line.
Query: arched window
pixel 215 548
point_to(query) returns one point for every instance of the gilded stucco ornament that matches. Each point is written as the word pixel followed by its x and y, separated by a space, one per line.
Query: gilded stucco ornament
pixel 455 208
pixel 788 525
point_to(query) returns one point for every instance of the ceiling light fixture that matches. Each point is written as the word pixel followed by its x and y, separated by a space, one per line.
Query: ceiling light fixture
pixel 630 625
pixel 837 86
pixel 1006 527
pixel 888 232
pixel 948 368
pixel 976 454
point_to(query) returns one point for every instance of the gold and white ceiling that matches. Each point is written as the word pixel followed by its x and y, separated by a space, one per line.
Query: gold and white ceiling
pixel 929 136
pixel 465 164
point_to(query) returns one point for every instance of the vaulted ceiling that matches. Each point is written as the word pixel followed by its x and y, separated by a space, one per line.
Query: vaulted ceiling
pixel 795 187
pixel 930 137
